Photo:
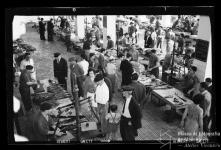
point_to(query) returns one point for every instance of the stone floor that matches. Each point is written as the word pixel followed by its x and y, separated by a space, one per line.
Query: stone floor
pixel 153 124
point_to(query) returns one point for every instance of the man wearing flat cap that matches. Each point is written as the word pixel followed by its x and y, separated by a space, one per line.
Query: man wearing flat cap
pixel 24 87
pixel 102 97
pixel 76 75
pixel 131 115
pixel 60 69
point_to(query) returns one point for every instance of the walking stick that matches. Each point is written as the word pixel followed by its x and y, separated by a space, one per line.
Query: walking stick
pixel 75 95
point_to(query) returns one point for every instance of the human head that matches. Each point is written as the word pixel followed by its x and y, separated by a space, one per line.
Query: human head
pixel 197 99
pixel 126 35
pixel 51 19
pixel 208 81
pixel 42 19
pixel 128 56
pixel 153 51
pixel 99 79
pixel 113 108
pixel 57 56
pixel 134 76
pixel 127 91
pixel 83 56
pixel 193 69
pixel 45 107
pixel 102 50
pixel 29 68
pixel 27 56
pixel 91 72
pixel 120 55
pixel 108 37
pixel 133 46
pixel 203 86
pixel 72 60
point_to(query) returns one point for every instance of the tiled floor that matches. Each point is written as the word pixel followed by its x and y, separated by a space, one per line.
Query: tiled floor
pixel 153 126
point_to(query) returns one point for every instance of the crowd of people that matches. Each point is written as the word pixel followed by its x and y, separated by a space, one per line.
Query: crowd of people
pixel 99 78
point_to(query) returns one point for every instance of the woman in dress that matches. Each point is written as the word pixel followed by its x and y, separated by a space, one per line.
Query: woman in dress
pixel 90 86
pixel 192 119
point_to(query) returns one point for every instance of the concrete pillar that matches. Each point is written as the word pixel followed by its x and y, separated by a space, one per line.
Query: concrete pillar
pixel 111 27
pixel 204 33
pixel 104 31
pixel 80 27
pixel 19 27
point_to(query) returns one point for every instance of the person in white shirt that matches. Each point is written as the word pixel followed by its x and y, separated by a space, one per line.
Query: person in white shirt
pixel 170 37
pixel 28 61
pixel 131 116
pixel 154 37
pixel 102 97
pixel 84 64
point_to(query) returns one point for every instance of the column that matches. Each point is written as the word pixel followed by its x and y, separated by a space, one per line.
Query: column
pixel 80 27
pixel 111 27
pixel 104 31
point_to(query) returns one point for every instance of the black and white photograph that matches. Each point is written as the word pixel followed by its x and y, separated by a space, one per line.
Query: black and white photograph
pixel 104 75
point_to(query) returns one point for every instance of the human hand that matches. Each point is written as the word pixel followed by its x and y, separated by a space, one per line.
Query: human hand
pixel 129 123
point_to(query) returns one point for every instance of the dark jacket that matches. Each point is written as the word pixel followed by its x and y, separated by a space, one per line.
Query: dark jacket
pixel 79 72
pixel 135 113
pixel 139 91
pixel 110 44
pixel 127 70
pixel 61 68
pixel 41 26
pixel 50 27
pixel 40 127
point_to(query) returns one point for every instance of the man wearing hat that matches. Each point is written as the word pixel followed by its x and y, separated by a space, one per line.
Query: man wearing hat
pixel 50 28
pixel 131 116
pixel 76 75
pixel 41 124
pixel 101 97
pixel 154 63
pixel 131 31
pixel 24 87
pixel 42 29
pixel 60 69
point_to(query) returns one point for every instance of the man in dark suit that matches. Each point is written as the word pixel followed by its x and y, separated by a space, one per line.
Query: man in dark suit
pixel 131 116
pixel 60 70
pixel 110 43
pixel 139 90
pixel 42 29
pixel 127 70
pixel 50 28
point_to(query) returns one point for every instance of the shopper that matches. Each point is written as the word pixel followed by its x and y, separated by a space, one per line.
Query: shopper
pixel 28 61
pixel 181 43
pixel 125 41
pixel 192 119
pixel 154 64
pixel 191 82
pixel 131 31
pixel 148 41
pixel 113 121
pixel 102 97
pixel 170 37
pixel 42 123
pixel 154 37
pixel 131 116
pixel 101 60
pixel 206 105
pixel 134 52
pixel 67 31
pixel 110 43
pixel 90 86
pixel 42 29
pixel 126 69
pixel 160 35
pixel 60 70
pixel 24 87
pixel 139 90
pixel 84 64
pixel 50 28
pixel 76 75
pixel 93 61
pixel 111 71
